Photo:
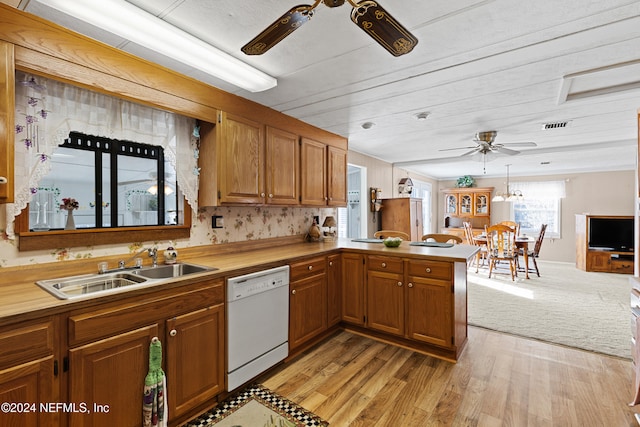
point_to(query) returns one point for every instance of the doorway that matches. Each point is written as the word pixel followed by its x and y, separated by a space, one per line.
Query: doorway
pixel 352 222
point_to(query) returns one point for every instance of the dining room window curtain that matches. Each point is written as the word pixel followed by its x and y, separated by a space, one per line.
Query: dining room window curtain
pixel 47 110
pixel 541 190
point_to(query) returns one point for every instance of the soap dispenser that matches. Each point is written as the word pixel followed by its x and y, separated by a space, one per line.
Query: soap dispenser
pixel 170 254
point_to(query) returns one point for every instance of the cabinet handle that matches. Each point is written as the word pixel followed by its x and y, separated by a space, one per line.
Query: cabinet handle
pixel 293 292
pixel 384 265
pixel 173 333
pixel 410 285
pixel 3 180
pixel 271 196
pixel 399 283
pixel 330 263
pixel 310 267
pixel 428 270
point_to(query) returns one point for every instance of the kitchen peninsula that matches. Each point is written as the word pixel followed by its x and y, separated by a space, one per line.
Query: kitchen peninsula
pixel 411 296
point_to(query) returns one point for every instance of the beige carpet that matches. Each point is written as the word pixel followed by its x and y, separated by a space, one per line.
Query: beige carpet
pixel 564 306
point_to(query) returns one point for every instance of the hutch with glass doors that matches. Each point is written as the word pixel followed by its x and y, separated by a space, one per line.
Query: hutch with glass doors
pixel 466 205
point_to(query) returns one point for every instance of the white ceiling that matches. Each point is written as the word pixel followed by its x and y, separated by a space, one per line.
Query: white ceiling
pixel 504 65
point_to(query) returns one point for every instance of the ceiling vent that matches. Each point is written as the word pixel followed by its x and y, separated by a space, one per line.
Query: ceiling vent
pixel 555 125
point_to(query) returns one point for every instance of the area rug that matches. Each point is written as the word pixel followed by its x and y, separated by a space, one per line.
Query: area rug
pixel 567 306
pixel 257 406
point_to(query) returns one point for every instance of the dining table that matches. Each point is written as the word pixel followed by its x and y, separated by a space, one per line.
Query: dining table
pixel 522 242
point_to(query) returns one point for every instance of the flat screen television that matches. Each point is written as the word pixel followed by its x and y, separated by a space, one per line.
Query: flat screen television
pixel 611 234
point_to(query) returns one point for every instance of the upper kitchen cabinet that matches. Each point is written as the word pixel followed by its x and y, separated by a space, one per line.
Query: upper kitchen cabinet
pixel 245 162
pixel 323 174
pixel 7 96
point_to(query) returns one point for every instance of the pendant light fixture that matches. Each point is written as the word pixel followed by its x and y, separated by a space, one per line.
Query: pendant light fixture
pixel 509 195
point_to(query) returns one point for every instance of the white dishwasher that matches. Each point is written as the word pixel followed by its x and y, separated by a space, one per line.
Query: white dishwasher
pixel 257 323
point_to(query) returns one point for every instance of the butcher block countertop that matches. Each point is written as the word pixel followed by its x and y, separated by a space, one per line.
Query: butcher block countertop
pixel 21 299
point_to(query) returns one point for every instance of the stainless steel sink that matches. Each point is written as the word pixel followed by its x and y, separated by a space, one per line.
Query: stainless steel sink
pixel 86 285
pixel 173 270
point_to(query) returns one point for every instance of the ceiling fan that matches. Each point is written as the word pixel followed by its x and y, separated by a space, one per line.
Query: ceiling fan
pixel 485 145
pixel 367 14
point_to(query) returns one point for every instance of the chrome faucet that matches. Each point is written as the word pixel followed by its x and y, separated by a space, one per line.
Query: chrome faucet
pixel 153 253
pixel 122 264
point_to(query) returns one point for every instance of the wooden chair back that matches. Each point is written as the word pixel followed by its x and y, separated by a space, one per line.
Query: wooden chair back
pixel 538 245
pixel 501 241
pixel 512 224
pixel 468 233
pixel 383 234
pixel 442 238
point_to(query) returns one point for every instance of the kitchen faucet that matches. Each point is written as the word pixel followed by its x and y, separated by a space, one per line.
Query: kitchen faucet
pixel 122 264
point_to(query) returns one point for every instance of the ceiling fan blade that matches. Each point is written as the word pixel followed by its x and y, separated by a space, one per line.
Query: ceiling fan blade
pixel 520 144
pixel 281 28
pixel 501 149
pixel 458 148
pixel 384 29
pixel 472 152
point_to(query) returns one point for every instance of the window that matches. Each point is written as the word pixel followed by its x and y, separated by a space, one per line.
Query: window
pixel 115 183
pixel 541 205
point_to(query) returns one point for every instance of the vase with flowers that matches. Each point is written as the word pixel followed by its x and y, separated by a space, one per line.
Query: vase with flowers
pixel 69 204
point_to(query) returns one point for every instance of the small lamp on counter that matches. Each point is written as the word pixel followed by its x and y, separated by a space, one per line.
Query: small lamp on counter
pixel 329 222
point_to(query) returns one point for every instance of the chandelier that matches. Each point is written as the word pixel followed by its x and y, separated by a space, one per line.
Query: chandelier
pixel 509 195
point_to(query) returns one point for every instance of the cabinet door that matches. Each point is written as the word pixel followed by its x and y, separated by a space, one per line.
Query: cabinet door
pixel 282 171
pixel 451 204
pixel 336 176
pixel 417 229
pixel 241 160
pixel 313 173
pixel 195 358
pixel 598 261
pixel 111 372
pixel 7 125
pixel 482 204
pixel 29 383
pixel 307 309
pixel 353 288
pixel 429 311
pixel 466 204
pixel 334 296
pixel 385 302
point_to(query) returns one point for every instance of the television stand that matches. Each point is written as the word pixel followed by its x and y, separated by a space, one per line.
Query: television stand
pixel 600 258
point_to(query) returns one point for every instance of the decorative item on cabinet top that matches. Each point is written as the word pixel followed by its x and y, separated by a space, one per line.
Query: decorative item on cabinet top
pixel 405 187
pixel 465 181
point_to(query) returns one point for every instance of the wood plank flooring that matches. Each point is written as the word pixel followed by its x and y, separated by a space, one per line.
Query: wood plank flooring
pixel 500 380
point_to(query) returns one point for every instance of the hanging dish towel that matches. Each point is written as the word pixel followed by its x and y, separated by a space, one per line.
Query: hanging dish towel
pixel 154 403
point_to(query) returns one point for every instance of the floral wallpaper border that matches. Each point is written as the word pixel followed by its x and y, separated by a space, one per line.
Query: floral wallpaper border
pixel 240 224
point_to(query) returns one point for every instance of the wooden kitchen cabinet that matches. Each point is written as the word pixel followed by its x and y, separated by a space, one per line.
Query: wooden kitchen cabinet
pixel 353 278
pixel 28 373
pixel 466 205
pixel 403 214
pixel 307 301
pixel 7 122
pixel 385 295
pixel 109 350
pixel 282 169
pixel 193 341
pixel 323 174
pixel 334 289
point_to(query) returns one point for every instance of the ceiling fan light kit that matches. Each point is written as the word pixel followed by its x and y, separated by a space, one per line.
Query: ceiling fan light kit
pixel 125 20
pixel 509 195
pixel 367 14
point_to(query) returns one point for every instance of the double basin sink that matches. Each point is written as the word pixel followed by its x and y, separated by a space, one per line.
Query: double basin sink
pixel 85 285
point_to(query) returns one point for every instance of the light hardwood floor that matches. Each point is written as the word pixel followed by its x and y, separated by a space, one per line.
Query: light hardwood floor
pixel 500 380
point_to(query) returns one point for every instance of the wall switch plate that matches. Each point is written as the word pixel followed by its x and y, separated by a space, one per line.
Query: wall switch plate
pixel 217 221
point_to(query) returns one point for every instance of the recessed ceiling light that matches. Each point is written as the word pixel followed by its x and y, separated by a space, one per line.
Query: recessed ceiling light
pixel 545 163
pixel 368 125
pixel 422 115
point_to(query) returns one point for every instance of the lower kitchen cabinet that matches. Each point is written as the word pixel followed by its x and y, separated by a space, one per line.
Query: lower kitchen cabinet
pixel 307 301
pixel 334 292
pixel 111 373
pixel 353 279
pixel 109 353
pixel 194 340
pixel 385 295
pixel 28 374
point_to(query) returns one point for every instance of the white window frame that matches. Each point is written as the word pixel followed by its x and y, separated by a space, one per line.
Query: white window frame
pixel 548 193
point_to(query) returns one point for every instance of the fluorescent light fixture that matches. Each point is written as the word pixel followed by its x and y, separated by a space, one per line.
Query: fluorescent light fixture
pixel 132 23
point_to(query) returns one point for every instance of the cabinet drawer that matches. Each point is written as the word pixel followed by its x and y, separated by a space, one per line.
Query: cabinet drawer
pixel 622 266
pixel 107 320
pixel 307 268
pixel 388 264
pixel 24 343
pixel 430 269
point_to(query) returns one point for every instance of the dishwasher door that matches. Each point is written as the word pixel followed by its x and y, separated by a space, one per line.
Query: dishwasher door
pixel 257 324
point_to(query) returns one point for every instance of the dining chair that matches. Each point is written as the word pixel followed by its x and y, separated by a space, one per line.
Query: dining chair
pixel 442 238
pixel 513 224
pixel 533 253
pixel 482 254
pixel 501 246
pixel 383 234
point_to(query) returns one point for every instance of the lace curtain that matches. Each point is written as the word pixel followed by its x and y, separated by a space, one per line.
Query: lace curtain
pixel 47 110
pixel 542 190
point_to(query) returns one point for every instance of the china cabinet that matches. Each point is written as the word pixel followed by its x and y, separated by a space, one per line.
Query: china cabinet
pixel 466 204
